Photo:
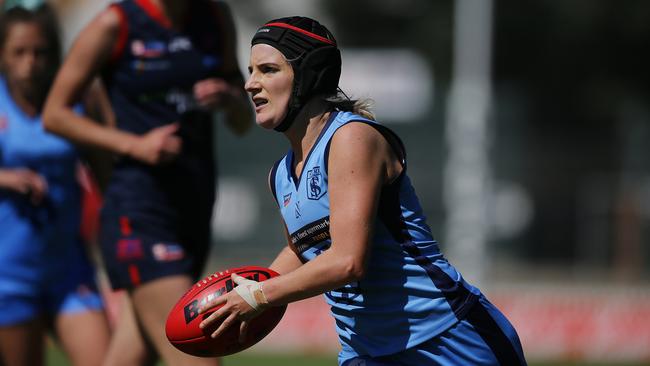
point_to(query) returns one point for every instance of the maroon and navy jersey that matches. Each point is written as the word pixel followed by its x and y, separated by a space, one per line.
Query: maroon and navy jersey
pixel 150 80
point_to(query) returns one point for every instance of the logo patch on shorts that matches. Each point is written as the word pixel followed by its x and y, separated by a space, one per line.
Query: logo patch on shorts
pixel 167 252
pixel 129 249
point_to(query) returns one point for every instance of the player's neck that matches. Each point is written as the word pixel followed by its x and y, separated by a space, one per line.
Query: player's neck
pixel 28 102
pixel 307 127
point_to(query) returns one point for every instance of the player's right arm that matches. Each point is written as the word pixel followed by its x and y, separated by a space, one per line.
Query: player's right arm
pixel 89 54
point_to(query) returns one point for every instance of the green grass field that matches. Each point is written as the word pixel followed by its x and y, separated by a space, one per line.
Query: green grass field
pixel 56 358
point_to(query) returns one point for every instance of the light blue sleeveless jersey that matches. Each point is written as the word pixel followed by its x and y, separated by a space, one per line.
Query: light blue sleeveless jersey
pixel 410 292
pixel 36 242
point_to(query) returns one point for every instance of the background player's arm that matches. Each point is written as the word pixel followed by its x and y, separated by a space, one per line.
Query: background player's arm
pixel 88 55
pixel 228 94
pixel 97 106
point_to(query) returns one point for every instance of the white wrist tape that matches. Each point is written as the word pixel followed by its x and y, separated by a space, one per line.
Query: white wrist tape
pixel 250 291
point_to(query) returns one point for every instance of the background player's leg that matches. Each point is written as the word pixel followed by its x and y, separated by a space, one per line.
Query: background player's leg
pixel 22 344
pixel 128 345
pixel 152 302
pixel 84 336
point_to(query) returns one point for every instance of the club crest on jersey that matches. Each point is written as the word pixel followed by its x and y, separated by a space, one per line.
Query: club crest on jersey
pixel 315 185
pixel 286 200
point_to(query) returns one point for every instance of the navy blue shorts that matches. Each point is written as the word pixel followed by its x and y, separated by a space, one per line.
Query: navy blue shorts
pixel 137 248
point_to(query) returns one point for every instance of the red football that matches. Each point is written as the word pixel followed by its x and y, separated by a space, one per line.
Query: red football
pixel 183 321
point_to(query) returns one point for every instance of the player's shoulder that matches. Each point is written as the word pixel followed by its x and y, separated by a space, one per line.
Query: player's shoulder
pixel 364 139
pixel 109 19
pixel 356 130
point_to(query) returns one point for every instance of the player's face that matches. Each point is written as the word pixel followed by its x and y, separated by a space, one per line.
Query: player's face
pixel 24 57
pixel 269 84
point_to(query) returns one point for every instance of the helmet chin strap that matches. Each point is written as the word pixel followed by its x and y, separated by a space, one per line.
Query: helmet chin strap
pixel 294 106
pixel 288 119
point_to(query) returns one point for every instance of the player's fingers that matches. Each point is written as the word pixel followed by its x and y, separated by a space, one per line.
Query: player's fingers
pixel 210 93
pixel 199 88
pixel 40 184
pixel 204 87
pixel 23 186
pixel 225 325
pixel 172 145
pixel 237 278
pixel 212 303
pixel 35 195
pixel 218 314
pixel 37 189
pixel 170 128
pixel 243 329
pixel 210 101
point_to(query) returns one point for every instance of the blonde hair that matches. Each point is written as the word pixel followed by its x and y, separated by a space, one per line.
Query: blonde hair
pixel 361 107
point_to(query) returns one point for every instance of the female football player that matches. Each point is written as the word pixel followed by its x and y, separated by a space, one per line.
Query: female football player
pixel 46 278
pixel 355 230
pixel 167 65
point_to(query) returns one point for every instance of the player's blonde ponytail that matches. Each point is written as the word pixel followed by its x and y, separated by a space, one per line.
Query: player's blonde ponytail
pixel 361 107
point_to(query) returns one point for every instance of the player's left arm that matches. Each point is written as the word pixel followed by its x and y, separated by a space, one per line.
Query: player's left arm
pixel 227 94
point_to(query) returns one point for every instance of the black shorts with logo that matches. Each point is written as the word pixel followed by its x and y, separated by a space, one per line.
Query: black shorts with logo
pixel 137 248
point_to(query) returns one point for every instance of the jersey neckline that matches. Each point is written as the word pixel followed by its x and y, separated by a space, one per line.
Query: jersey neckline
pixel 290 153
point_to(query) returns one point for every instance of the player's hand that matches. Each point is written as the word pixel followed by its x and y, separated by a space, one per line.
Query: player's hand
pixel 213 93
pixel 244 303
pixel 25 181
pixel 160 145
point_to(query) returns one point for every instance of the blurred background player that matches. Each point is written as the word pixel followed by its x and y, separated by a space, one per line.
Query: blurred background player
pixel 46 278
pixel 167 65
pixel 356 231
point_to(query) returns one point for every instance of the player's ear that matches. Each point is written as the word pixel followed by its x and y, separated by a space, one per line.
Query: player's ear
pixel 320 71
